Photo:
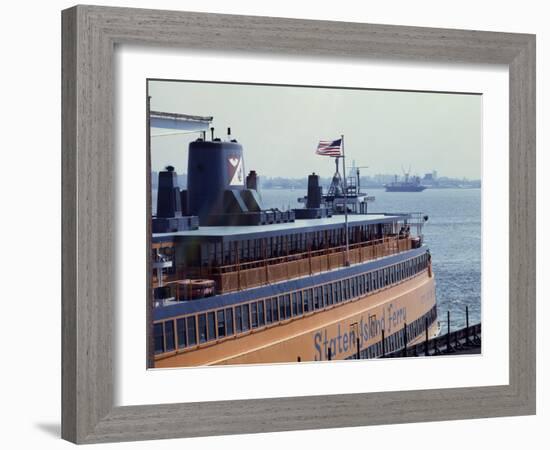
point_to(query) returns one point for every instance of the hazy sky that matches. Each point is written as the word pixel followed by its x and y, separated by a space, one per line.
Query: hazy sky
pixel 281 126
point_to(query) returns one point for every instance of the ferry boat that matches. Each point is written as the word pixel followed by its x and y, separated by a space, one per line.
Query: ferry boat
pixel 235 283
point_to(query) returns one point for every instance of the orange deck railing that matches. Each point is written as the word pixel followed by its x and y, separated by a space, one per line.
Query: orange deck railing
pixel 234 277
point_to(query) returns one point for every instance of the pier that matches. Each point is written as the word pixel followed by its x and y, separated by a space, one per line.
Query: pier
pixel 464 341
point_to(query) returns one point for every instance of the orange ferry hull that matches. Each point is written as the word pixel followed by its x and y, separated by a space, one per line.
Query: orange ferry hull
pixel 330 334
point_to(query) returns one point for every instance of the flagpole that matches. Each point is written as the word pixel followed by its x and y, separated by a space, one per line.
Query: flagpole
pixel 345 200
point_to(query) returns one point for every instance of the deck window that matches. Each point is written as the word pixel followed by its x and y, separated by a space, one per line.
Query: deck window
pixel 238 319
pixel 274 310
pixel 254 315
pixel 246 317
pixel 268 311
pixel 229 321
pixel 287 306
pixel 169 335
pixel 316 299
pixel 325 295
pixel 300 303
pixel 282 310
pixel 294 304
pixel 159 338
pixel 182 337
pixel 261 320
pixel 191 331
pixel 310 299
pixel 308 303
pixel 202 328
pixel 211 326
pixel 221 323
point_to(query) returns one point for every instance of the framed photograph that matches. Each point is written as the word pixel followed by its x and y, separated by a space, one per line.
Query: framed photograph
pixel 253 212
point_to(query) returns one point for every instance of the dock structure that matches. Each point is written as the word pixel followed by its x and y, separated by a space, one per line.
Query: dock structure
pixel 465 341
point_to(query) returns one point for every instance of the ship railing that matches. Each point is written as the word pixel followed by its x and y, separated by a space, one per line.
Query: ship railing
pixel 414 219
pixel 390 246
pixel 247 275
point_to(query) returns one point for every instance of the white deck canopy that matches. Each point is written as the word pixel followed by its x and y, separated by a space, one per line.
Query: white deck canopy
pixel 167 123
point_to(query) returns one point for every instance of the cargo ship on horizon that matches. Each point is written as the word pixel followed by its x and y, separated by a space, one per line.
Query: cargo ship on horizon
pixel 409 184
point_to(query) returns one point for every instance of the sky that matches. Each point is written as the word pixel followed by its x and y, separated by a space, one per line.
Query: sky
pixel 280 127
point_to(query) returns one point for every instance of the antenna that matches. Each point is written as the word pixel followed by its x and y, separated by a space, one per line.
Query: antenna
pixel 406 174
pixel 359 176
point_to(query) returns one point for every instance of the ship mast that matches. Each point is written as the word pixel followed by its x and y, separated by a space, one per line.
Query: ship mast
pixel 336 185
pixel 345 201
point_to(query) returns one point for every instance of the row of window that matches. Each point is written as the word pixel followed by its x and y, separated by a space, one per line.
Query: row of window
pixel 200 328
pixel 258 249
pixel 395 341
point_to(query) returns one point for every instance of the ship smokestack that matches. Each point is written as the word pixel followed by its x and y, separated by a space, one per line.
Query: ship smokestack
pixel 212 133
pixel 228 134
pixel 252 180
pixel 168 195
pixel 314 191
pixel 213 168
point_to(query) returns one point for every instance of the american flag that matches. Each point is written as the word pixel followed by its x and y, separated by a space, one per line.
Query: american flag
pixel 330 148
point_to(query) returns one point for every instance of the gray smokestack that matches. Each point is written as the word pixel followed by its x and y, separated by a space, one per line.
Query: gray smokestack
pixel 313 191
pixel 252 180
pixel 168 195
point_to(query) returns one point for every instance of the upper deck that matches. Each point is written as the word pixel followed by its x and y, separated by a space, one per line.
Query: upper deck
pixel 299 226
pixel 242 257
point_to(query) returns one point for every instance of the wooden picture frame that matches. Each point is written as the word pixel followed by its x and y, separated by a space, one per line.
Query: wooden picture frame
pixel 90 34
